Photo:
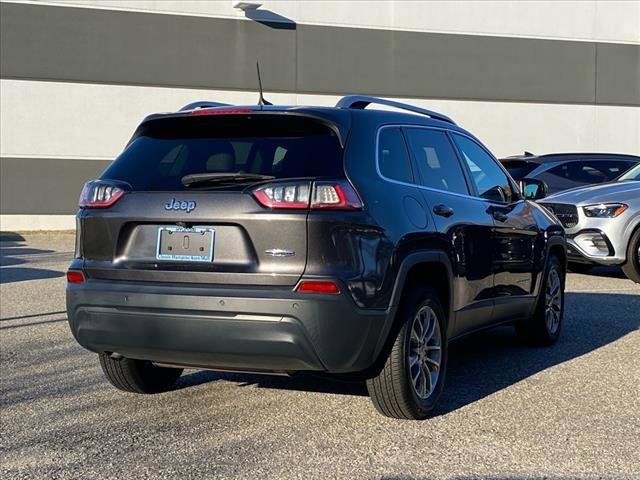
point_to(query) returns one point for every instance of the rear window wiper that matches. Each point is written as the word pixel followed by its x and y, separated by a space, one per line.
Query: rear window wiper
pixel 219 178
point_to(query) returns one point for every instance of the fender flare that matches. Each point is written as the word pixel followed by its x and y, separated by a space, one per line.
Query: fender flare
pixel 554 240
pixel 410 261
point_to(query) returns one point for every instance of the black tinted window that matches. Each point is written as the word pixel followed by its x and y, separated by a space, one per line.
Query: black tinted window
pixel 436 160
pixel 519 169
pixel 490 180
pixel 169 149
pixel 585 172
pixel 393 157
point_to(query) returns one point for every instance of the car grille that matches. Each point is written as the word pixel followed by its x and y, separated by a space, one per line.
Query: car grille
pixel 567 214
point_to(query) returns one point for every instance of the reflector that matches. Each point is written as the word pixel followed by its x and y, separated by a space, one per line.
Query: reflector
pixel 317 286
pixel 75 276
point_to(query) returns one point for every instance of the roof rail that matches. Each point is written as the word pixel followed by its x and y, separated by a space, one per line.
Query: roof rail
pixel 360 102
pixel 205 104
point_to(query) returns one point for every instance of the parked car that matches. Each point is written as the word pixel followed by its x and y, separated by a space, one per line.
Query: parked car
pixel 346 241
pixel 602 223
pixel 563 171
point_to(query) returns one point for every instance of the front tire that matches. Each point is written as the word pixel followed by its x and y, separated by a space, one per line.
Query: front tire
pixel 632 268
pixel 138 376
pixel 543 328
pixel 412 379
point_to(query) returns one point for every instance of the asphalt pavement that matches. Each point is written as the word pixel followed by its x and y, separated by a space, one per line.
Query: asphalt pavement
pixel 508 411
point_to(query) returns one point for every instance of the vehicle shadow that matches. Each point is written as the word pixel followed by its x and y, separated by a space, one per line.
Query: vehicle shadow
pixel 487 362
pixel 11 237
pixel 606 271
pixel 14 251
pixel 10 275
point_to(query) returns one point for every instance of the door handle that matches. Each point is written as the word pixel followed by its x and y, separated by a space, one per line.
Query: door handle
pixel 497 214
pixel 443 210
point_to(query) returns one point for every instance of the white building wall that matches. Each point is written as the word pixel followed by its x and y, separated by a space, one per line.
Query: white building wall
pixel 93 121
pixel 589 20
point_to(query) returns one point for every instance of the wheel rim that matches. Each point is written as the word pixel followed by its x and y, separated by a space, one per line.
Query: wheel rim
pixel 425 352
pixel 553 304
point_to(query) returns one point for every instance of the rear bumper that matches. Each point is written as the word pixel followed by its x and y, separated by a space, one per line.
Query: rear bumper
pixel 257 330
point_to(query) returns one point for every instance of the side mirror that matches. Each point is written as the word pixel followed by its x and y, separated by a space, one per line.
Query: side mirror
pixel 533 189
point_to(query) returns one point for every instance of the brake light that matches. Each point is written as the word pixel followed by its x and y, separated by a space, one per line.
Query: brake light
pixel 318 286
pixel 338 195
pixel 99 194
pixel 75 276
pixel 217 111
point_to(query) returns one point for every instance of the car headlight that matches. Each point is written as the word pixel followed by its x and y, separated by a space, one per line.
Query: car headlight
pixel 604 210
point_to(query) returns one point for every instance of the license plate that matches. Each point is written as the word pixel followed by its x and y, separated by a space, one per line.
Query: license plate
pixel 185 244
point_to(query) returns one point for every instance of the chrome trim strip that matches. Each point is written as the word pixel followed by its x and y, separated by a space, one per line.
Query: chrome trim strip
pixel 415 185
pixel 422 187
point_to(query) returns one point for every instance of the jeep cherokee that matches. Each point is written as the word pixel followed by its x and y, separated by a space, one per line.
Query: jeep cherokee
pixel 346 241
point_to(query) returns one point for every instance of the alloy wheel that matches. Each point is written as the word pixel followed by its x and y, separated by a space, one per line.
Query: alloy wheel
pixel 553 303
pixel 425 352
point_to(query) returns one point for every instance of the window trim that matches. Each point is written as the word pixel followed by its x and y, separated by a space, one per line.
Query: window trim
pixel 431 189
pixel 407 150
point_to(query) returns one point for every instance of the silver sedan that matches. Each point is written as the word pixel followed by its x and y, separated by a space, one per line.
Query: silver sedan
pixel 602 223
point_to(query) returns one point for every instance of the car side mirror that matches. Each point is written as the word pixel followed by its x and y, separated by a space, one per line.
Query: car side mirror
pixel 533 189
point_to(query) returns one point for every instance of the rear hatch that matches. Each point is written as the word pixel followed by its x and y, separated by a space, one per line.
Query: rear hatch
pixel 209 198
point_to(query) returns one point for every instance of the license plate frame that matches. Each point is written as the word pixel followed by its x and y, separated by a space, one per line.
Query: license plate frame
pixel 171 245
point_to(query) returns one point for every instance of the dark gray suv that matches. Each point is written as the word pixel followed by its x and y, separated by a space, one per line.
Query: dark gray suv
pixel 348 241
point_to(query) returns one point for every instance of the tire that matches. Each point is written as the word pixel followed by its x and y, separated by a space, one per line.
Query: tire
pixel 632 267
pixel 138 376
pixel 582 268
pixel 543 328
pixel 393 392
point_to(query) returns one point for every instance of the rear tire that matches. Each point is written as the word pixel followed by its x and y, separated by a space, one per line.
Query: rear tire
pixel 138 376
pixel 543 328
pixel 412 379
pixel 632 268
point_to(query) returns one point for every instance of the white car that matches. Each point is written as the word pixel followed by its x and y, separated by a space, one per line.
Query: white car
pixel 602 223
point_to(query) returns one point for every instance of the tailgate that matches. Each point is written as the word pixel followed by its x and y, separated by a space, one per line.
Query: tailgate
pixel 120 245
pixel 163 228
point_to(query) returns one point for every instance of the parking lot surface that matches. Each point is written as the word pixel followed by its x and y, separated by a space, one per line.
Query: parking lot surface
pixel 508 411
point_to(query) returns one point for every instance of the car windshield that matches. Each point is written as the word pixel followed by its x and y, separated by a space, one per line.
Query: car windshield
pixel 633 174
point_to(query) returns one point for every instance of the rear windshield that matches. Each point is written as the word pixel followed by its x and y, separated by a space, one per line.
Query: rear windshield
pixel 283 146
pixel 519 170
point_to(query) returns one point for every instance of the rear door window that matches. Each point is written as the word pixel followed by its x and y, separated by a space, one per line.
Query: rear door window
pixel 436 160
pixel 166 150
pixel 393 157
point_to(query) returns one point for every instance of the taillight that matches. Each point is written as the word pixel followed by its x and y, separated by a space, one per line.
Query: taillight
pixel 317 286
pixel 338 195
pixel 99 194
pixel 335 196
pixel 283 195
pixel 75 276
